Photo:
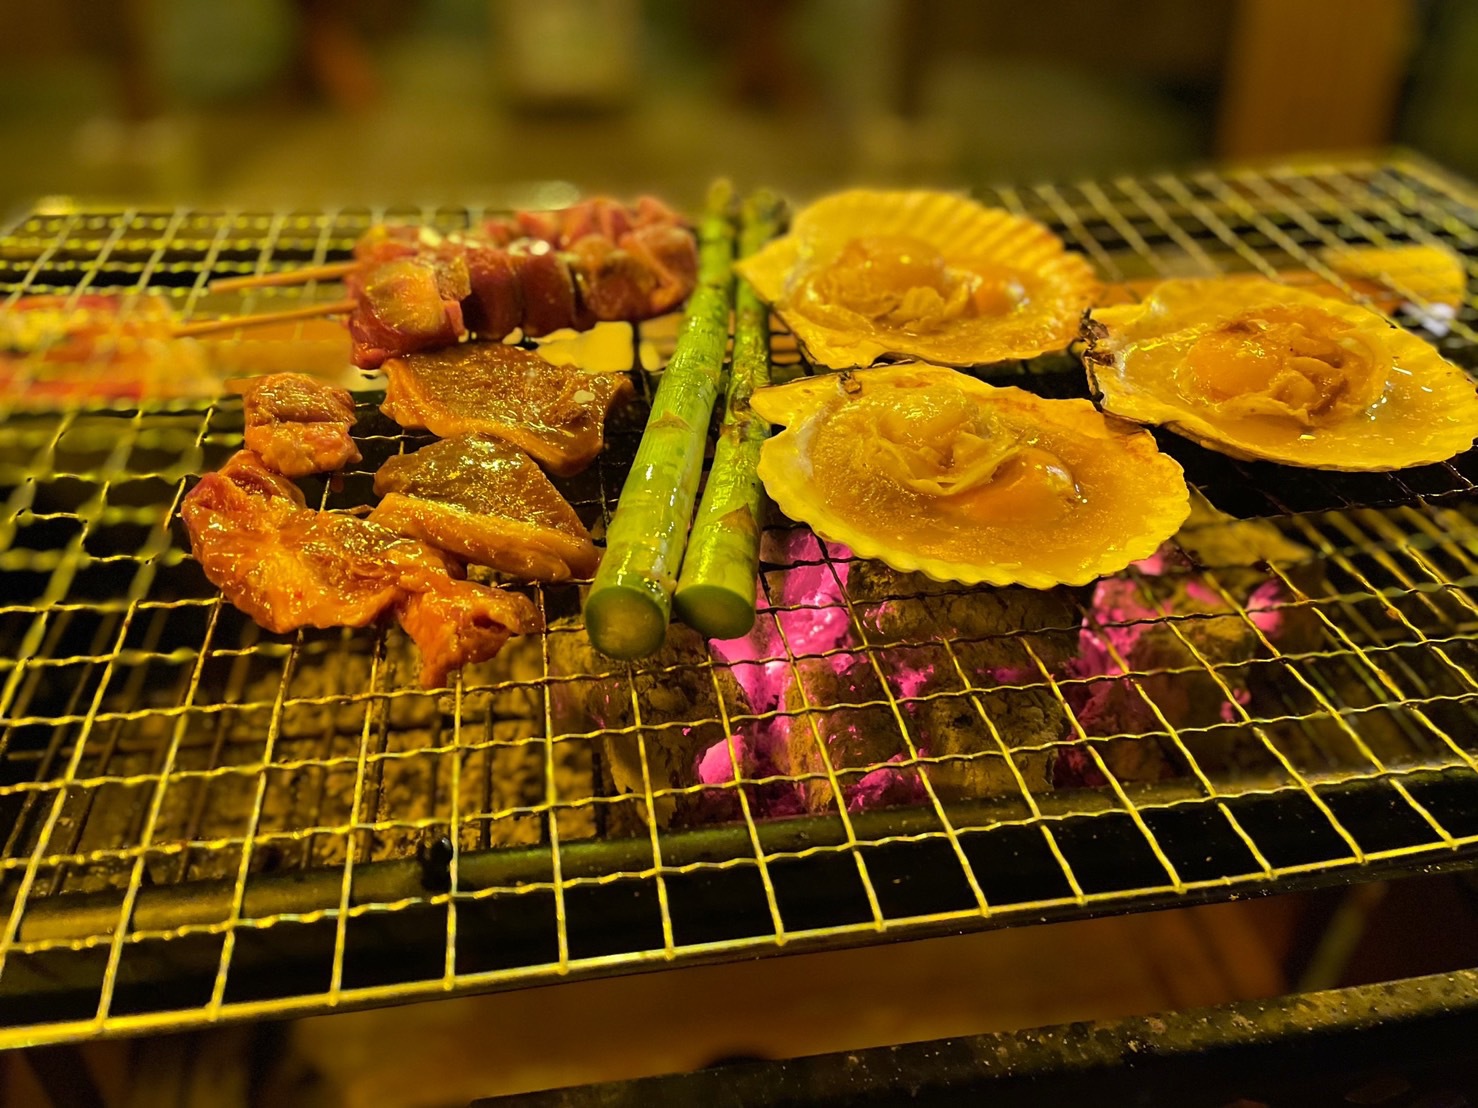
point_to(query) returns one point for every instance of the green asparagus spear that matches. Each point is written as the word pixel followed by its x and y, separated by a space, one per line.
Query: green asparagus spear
pixel 715 594
pixel 629 604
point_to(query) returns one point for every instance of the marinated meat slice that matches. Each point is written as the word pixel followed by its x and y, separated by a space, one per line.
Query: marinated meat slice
pixel 298 425
pixel 288 566
pixel 407 304
pixel 458 623
pixel 554 412
pixel 487 501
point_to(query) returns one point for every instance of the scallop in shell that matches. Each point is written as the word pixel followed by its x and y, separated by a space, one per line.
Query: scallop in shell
pixel 927 275
pixel 928 469
pixel 1259 370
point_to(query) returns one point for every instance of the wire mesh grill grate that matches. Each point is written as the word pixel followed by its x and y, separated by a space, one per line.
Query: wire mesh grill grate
pixel 203 820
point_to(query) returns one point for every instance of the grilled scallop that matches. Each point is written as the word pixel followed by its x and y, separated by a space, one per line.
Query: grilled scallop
pixel 928 469
pixel 1258 370
pixel 926 275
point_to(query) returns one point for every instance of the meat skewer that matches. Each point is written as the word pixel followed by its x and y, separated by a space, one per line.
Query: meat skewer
pixel 287 315
pixel 413 289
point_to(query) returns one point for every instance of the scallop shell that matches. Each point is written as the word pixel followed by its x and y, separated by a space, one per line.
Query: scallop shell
pixel 1427 411
pixel 1434 274
pixel 1126 497
pixel 1058 285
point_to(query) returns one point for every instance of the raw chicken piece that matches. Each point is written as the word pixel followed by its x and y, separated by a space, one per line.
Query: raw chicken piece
pixel 486 501
pixel 288 566
pixel 296 424
pixel 554 412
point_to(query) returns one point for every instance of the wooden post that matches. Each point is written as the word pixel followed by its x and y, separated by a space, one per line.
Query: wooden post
pixel 1313 75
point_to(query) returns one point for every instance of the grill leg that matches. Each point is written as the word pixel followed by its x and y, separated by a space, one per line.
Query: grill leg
pixel 62 1073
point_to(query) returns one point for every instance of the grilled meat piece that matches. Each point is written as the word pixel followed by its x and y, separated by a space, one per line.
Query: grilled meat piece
pixel 555 413
pixel 486 501
pixel 288 566
pixel 296 424
pixel 548 291
pixel 598 216
pixel 407 304
pixel 536 271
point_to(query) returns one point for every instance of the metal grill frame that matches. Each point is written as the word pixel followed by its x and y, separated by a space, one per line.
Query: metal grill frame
pixel 151 953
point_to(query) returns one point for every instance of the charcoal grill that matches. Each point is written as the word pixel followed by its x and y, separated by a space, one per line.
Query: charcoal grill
pixel 204 821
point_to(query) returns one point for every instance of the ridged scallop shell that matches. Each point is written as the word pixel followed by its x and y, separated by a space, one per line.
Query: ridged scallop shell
pixel 1129 497
pixel 1426 272
pixel 963 231
pixel 1427 413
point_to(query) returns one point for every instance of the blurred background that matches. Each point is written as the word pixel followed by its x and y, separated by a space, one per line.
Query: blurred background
pixel 306 102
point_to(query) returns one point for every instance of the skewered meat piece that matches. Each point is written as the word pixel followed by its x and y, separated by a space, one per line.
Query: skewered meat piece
pixel 297 425
pixel 599 215
pixel 407 303
pixel 486 501
pixel 556 413
pixel 536 271
pixel 288 566
pixel 413 288
pixel 625 260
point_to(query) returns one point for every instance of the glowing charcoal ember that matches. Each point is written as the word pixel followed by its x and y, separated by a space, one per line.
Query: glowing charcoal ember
pixel 1132 635
pixel 911 681
pixel 885 787
pixel 769 800
pixel 1262 608
pixel 811 614
pixel 1130 655
pixel 1229 713
pixel 716 764
pixel 825 743
pixel 984 628
pixel 986 632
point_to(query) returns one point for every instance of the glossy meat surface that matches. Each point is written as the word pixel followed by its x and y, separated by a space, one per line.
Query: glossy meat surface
pixel 407 304
pixel 288 566
pixel 554 413
pixel 539 272
pixel 485 500
pixel 297 424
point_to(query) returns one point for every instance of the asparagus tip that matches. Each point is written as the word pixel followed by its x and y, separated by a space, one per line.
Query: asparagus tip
pixel 721 195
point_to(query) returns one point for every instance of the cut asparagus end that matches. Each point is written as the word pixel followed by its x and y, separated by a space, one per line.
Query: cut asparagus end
pixel 625 622
pixel 716 611
pixel 630 599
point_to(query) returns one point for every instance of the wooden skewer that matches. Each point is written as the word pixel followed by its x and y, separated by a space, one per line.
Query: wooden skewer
pixel 231 322
pixel 329 272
